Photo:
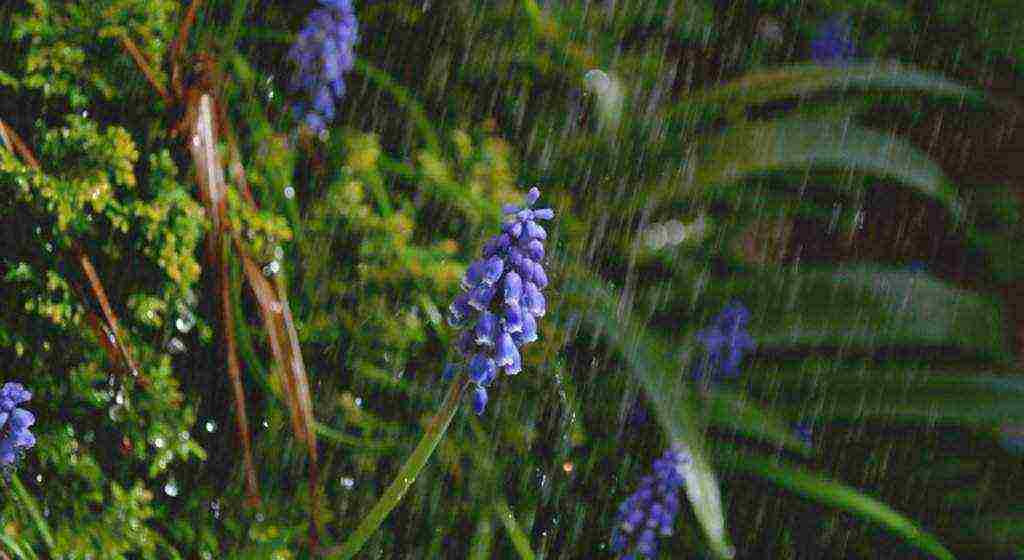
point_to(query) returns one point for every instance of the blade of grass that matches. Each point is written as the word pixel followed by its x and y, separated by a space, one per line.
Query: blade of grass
pixel 29 503
pixel 16 549
pixel 804 79
pixel 406 474
pixel 803 143
pixel 836 494
pixel 515 534
pixel 665 389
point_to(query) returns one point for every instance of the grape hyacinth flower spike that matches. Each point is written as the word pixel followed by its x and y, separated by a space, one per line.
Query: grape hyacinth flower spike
pixel 502 297
pixel 833 44
pixel 14 423
pixel 651 511
pixel 322 53
pixel 724 342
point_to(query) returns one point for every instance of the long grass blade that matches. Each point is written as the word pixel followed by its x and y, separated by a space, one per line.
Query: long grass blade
pixel 666 390
pixel 805 79
pixel 799 143
pixel 836 494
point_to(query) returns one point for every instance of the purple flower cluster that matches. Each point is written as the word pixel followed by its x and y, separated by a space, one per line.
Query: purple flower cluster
pixel 501 298
pixel 323 52
pixel 724 343
pixel 651 510
pixel 833 44
pixel 14 423
pixel 804 433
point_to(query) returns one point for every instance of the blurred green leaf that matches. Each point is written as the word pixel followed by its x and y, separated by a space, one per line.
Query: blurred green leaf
pixel 798 143
pixel 519 539
pixel 904 390
pixel 649 361
pixel 804 79
pixel 734 410
pixel 868 306
pixel 836 494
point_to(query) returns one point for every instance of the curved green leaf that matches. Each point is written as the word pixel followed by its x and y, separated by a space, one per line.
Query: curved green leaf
pixel 803 79
pixel 870 306
pixel 519 539
pixel 666 390
pixel 836 494
pixel 798 143
pixel 733 410
pixel 902 390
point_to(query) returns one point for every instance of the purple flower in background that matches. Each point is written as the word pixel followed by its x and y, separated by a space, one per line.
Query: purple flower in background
pixel 1011 437
pixel 724 342
pixel 502 299
pixel 651 511
pixel 14 423
pixel 833 44
pixel 322 52
pixel 804 433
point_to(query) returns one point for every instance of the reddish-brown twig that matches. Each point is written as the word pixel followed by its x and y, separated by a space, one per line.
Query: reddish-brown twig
pixel 117 349
pixel 146 68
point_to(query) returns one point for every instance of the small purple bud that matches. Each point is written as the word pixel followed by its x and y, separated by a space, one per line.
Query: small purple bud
pixel 459 310
pixel 513 320
pixel 529 331
pixel 493 269
pixel 513 288
pixel 543 214
pixel 534 231
pixel 479 400
pixel 506 353
pixel 485 329
pixel 535 250
pixel 538 276
pixel 481 369
pixel 533 300
pixel 474 274
pixel 480 297
pixel 509 208
pixel 533 196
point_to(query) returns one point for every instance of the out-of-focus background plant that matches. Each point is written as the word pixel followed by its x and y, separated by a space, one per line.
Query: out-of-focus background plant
pixel 233 229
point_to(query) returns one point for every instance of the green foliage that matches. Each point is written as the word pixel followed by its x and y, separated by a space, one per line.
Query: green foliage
pixel 453 109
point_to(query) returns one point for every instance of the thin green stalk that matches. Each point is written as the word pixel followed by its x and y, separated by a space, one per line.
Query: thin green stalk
pixel 515 533
pixel 33 511
pixel 407 474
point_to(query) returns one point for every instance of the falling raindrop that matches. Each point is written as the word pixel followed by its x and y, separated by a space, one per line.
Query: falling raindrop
pixel 175 346
pixel 171 488
pixel 186 321
pixel 597 81
pixel 289 192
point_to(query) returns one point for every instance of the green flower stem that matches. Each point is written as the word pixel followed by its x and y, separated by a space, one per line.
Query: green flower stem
pixel 407 474
pixel 519 539
pixel 32 507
